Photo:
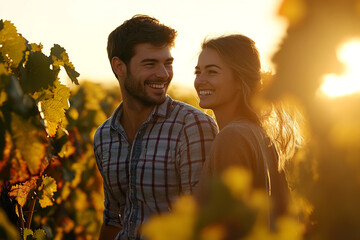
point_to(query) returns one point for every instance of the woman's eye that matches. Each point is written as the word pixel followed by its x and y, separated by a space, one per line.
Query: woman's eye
pixel 212 72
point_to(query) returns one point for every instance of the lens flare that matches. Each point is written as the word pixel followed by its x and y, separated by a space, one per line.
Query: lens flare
pixel 348 83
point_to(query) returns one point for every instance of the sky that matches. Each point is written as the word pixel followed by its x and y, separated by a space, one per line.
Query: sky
pixel 82 28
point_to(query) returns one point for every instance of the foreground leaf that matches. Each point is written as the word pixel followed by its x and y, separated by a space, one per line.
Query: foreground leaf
pixel 53 109
pixel 12 44
pixel 48 188
pixel 61 58
pixel 37 74
pixel 40 234
pixel 28 232
pixel 21 191
pixel 28 140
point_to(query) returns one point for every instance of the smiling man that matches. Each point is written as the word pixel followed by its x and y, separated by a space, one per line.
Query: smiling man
pixel 151 150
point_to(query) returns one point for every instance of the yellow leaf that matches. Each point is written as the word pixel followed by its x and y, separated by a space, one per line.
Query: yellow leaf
pixel 18 171
pixel 28 232
pixel 21 191
pixel 48 188
pixel 80 200
pixel 28 141
pixel 213 232
pixel 238 180
pixel 40 234
pixel 177 225
pixel 12 44
pixel 36 47
pixel 53 109
pixel 293 10
pixel 7 228
pixel 289 228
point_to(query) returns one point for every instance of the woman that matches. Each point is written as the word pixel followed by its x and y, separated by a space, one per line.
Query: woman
pixel 228 75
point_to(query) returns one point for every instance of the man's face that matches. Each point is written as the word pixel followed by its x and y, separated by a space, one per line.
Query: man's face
pixel 149 74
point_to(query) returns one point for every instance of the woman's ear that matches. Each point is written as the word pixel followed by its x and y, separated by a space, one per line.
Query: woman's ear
pixel 119 67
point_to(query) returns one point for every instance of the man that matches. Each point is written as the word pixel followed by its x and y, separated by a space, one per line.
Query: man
pixel 152 148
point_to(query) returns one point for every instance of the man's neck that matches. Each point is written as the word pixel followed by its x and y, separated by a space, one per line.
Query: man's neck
pixel 133 116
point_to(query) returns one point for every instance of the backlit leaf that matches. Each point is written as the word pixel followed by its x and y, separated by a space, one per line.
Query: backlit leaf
pixel 48 188
pixel 36 47
pixel 28 140
pixel 53 109
pixel 21 191
pixel 61 58
pixel 12 44
pixel 28 232
pixel 18 171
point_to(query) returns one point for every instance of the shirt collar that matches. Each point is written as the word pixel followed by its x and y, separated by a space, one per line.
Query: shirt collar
pixel 161 110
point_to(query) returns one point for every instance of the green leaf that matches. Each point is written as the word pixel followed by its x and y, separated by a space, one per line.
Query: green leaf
pixel 12 44
pixel 37 74
pixel 61 58
pixel 28 140
pixel 53 109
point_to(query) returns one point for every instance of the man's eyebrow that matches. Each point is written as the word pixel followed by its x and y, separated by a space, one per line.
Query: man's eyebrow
pixel 156 60
pixel 149 60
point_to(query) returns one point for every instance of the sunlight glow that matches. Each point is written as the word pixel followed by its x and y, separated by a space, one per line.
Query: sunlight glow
pixel 348 83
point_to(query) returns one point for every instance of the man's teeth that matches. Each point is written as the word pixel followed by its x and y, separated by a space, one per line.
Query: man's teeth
pixel 205 92
pixel 158 86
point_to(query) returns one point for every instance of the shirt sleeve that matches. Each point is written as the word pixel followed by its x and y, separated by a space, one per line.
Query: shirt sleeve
pixel 111 214
pixel 198 134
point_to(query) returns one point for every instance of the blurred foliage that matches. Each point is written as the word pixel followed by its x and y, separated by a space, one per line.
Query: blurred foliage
pixel 324 175
pixel 235 210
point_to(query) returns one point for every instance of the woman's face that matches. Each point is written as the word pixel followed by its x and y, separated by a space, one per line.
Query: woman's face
pixel 214 82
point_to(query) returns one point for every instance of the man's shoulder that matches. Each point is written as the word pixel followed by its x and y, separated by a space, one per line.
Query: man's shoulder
pixel 102 129
pixel 185 109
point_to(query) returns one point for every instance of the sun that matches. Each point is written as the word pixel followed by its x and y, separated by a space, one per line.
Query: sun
pixel 348 83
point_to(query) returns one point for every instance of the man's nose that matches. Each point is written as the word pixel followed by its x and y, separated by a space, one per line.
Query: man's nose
pixel 163 72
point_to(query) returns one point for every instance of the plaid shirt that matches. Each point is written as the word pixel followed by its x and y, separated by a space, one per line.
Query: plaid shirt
pixel 164 161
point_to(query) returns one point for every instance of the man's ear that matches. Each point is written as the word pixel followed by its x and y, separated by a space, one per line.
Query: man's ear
pixel 119 67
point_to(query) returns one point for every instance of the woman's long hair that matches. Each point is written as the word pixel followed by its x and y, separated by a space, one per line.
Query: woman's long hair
pixel 281 124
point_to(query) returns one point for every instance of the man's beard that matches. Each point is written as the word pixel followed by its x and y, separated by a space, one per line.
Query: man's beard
pixel 137 90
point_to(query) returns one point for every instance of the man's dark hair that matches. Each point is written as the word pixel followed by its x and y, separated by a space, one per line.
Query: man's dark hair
pixel 138 29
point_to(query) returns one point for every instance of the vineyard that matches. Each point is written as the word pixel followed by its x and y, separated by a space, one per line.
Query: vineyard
pixel 50 185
